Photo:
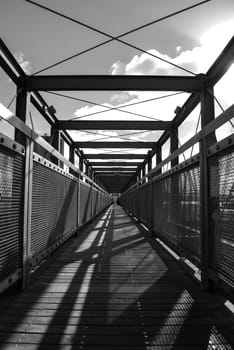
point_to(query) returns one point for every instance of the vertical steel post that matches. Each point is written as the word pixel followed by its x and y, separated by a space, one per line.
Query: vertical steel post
pixel 150 198
pixel 61 150
pixel 21 113
pixel 207 238
pixel 149 166
pixel 78 203
pixel 174 204
pixel 26 242
pixel 143 172
pixel 158 159
pixel 72 157
pixel 81 166
pixel 55 141
pixel 174 145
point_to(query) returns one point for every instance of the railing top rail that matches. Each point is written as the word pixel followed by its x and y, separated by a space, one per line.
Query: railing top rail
pixel 12 119
pixel 209 128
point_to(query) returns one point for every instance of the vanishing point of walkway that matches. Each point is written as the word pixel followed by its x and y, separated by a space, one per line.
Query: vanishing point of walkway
pixel 114 287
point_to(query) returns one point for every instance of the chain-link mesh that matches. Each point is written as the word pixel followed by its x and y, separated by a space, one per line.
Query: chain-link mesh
pixel 54 207
pixel 222 212
pixel 11 210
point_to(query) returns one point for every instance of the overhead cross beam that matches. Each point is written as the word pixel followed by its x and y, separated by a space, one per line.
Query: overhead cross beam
pixel 112 125
pixel 107 144
pixel 113 83
pixel 111 169
pixel 127 175
pixel 115 156
pixel 221 64
pixel 93 164
pixel 10 65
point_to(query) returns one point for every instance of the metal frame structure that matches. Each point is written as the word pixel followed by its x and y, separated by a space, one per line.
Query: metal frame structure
pixel 201 87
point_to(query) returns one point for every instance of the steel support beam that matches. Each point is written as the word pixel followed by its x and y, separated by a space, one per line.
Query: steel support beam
pixel 221 65
pixel 42 110
pixel 113 83
pixel 10 65
pixel 114 144
pixel 174 144
pixel 111 169
pixel 93 164
pixel 115 156
pixel 21 112
pixel 112 125
pixel 207 237
pixel 185 110
pixel 158 159
pixel 127 175
pixel 213 75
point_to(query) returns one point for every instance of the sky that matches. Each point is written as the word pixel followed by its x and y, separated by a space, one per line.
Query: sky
pixel 192 39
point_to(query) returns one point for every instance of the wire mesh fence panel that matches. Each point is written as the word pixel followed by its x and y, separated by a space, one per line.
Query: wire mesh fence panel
pixel 54 207
pixel 85 208
pixel 144 207
pixel 95 208
pixel 11 210
pixel 176 210
pixel 221 168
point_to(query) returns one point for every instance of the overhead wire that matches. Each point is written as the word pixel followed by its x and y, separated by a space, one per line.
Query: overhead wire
pixel 197 126
pixel 115 38
pixel 12 100
pixel 113 108
pixel 100 112
pixel 107 109
pixel 222 109
pixel 119 136
pixel 121 41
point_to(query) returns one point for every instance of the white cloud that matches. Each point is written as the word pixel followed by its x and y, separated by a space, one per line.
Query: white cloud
pixel 197 60
pixel 25 65
pixel 122 98
pixel 117 68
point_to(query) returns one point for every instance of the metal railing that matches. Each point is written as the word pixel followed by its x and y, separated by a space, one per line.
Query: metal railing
pixel 171 205
pixel 41 205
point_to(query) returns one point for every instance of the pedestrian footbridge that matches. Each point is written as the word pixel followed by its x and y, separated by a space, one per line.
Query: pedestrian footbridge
pixel 118 253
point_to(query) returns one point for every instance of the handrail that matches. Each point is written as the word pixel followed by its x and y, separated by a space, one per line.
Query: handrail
pixel 12 119
pixel 212 126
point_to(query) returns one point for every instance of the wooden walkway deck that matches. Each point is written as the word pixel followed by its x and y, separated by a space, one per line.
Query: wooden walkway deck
pixel 112 287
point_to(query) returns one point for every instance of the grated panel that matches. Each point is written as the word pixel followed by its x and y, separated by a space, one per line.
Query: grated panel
pixel 176 208
pixel 54 207
pixel 222 212
pixel 85 203
pixel 11 210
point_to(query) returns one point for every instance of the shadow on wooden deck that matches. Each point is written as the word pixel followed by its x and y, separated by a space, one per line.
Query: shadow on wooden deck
pixel 113 287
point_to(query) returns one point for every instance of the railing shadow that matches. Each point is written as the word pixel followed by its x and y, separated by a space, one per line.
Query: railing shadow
pixel 16 314
pixel 119 288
